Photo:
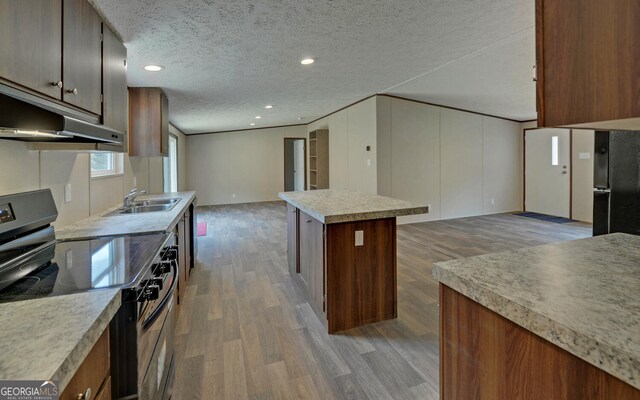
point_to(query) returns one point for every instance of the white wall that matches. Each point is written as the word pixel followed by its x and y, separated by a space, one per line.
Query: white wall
pixel 23 170
pixel 351 130
pixel 247 164
pixel 582 175
pixel 455 161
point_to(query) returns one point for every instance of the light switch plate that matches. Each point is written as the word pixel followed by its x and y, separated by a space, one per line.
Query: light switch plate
pixel 67 193
pixel 584 156
pixel 359 238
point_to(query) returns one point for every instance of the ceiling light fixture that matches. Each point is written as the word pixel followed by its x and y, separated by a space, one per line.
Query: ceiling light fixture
pixel 307 61
pixel 258 117
pixel 268 107
pixel 154 68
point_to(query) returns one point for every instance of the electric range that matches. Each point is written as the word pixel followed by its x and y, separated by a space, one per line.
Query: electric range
pixel 33 264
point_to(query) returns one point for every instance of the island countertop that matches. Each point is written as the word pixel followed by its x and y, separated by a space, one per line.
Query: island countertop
pixel 102 224
pixel 49 338
pixel 582 295
pixel 331 206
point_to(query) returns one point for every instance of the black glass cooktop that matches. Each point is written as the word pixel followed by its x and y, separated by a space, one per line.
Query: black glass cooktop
pixel 80 265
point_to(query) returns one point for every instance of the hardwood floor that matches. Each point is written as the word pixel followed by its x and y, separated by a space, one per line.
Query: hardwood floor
pixel 245 332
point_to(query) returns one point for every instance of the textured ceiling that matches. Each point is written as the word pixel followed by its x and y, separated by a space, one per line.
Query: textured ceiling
pixel 226 60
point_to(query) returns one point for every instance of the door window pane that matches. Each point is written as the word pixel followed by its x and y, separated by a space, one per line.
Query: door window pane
pixel 554 150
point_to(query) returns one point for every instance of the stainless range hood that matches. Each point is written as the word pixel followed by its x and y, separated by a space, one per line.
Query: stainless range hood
pixel 50 128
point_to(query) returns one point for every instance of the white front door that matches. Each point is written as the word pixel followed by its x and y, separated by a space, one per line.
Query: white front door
pixel 298 165
pixel 547 175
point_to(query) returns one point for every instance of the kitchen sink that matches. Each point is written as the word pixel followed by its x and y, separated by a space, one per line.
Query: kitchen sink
pixel 144 203
pixel 146 206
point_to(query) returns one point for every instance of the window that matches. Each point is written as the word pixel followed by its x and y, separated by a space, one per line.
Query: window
pixel 554 150
pixel 171 166
pixel 106 164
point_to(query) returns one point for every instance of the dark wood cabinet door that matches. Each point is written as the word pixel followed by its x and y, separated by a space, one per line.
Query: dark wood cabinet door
pixel 164 139
pixel 148 122
pixel 31 44
pixel 588 58
pixel 114 75
pixel 292 239
pixel 82 57
pixel 93 373
pixel 182 259
pixel 312 259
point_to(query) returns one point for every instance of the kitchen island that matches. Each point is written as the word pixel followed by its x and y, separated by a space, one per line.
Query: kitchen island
pixel 341 250
pixel 558 321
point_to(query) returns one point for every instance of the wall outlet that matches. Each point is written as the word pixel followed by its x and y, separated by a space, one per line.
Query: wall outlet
pixel 428 208
pixel 359 238
pixel 368 162
pixel 493 201
pixel 135 181
pixel 67 193
pixel 233 196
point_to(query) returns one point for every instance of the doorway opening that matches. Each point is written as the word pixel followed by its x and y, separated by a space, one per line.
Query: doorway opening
pixel 295 164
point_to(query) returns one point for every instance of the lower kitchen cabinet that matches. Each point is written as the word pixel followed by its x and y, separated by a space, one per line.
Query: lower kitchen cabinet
pixel 292 245
pixel 183 235
pixel 347 284
pixel 93 378
pixel 312 260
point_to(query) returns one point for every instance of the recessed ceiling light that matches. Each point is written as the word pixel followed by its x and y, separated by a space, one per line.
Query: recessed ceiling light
pixel 154 68
pixel 252 124
pixel 258 117
pixel 307 61
pixel 268 107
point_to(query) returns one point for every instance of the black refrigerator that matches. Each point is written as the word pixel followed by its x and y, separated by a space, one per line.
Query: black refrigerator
pixel 616 179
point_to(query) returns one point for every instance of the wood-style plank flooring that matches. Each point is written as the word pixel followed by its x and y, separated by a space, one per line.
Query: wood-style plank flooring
pixel 245 332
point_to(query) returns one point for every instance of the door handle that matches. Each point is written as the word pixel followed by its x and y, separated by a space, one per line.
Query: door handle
pixel 564 172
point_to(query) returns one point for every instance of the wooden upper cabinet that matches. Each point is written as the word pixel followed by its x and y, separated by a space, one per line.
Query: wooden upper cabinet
pixel 148 122
pixel 114 75
pixel 31 44
pixel 588 63
pixel 82 56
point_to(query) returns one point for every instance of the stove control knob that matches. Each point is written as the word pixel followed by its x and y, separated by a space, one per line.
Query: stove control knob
pixel 170 253
pixel 153 281
pixel 151 292
pixel 161 268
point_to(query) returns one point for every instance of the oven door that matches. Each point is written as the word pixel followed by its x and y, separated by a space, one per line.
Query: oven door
pixel 156 326
pixel 158 377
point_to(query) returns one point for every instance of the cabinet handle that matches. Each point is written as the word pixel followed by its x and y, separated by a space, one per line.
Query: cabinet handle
pixel 73 91
pixel 58 84
pixel 308 221
pixel 85 396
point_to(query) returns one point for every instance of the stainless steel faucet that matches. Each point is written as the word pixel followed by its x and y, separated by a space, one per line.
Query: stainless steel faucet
pixel 131 197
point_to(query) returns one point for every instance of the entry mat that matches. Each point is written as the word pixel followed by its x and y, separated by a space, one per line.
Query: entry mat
pixel 202 229
pixel 544 217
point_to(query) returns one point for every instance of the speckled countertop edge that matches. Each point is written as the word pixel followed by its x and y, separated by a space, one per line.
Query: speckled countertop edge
pixel 403 208
pixel 56 352
pixel 102 225
pixel 617 362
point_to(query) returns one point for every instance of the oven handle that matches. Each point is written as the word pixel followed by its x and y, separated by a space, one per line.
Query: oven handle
pixel 165 300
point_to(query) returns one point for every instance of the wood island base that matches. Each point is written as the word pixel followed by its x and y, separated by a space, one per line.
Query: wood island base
pixel 485 356
pixel 346 270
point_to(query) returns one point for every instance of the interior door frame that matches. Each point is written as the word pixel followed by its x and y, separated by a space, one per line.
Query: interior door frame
pixel 284 148
pixel 524 168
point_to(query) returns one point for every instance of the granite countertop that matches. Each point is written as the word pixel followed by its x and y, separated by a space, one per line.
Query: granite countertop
pixel 49 338
pixel 103 225
pixel 331 206
pixel 582 295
